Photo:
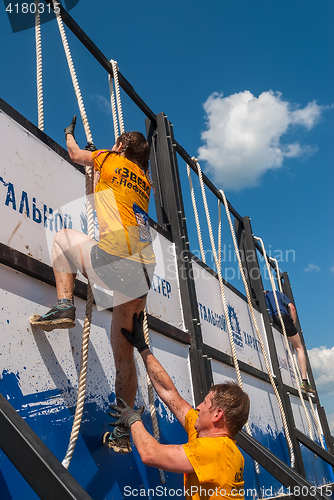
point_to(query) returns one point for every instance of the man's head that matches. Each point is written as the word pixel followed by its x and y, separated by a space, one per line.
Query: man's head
pixel 225 407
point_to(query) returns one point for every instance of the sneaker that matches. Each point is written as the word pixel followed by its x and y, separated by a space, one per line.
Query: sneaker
pixel 55 318
pixel 306 386
pixel 118 440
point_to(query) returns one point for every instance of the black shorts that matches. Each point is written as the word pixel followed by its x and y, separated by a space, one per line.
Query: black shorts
pixel 126 276
pixel 290 328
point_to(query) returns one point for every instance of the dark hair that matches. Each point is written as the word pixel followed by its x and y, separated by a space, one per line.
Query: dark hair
pixel 135 148
pixel 234 402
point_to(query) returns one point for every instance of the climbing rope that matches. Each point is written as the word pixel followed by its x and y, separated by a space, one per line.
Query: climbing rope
pixel 314 413
pixel 73 74
pixel 117 115
pixel 219 234
pixel 150 391
pixel 264 352
pixel 40 110
pixel 278 274
pixel 218 265
pixel 293 361
pixel 90 232
pixel 116 110
pixel 222 291
pixel 198 226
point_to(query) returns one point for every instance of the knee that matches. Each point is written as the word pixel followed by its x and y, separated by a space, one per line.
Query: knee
pixel 61 238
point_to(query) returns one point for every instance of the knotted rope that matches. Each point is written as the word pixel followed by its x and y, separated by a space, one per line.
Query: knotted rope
pixel 150 391
pixel 293 361
pixel 39 75
pixel 90 232
pixel 117 113
pixel 222 291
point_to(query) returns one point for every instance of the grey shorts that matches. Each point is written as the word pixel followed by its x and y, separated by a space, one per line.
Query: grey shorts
pixel 126 276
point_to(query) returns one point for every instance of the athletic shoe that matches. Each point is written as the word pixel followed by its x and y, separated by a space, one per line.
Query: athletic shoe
pixel 118 440
pixel 57 317
pixel 306 386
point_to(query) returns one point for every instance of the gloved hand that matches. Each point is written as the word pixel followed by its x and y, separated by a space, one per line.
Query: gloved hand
pixel 136 338
pixel 90 146
pixel 126 416
pixel 70 128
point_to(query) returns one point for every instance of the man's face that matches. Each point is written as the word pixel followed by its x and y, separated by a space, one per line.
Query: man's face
pixel 205 414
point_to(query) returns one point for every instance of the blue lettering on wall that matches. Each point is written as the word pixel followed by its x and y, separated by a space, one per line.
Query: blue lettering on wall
pixel 24 204
pixel 160 285
pixel 52 220
pixel 252 341
pixel 212 317
pixel 10 198
pixel 235 326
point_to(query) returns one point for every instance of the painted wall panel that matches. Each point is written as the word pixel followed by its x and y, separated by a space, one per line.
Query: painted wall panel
pixel 266 427
pixel 39 377
pixel 36 202
pixel 39 370
pixel 213 321
pixel 317 471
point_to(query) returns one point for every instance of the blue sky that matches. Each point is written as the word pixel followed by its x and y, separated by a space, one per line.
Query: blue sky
pixel 268 123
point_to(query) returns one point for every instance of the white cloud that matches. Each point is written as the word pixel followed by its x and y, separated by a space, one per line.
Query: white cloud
pixel 322 362
pixel 243 136
pixel 102 103
pixel 312 268
pixel 332 269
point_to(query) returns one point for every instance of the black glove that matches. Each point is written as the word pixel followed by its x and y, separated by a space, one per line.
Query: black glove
pixel 70 128
pixel 136 338
pixel 90 146
pixel 126 416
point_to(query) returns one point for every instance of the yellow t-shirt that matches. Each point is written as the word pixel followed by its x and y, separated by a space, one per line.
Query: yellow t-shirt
pixel 217 462
pixel 121 202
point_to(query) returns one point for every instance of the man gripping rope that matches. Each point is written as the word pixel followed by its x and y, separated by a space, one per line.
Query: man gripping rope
pixel 211 462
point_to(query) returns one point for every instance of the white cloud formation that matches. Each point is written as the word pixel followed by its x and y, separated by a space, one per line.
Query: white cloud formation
pixel 312 268
pixel 322 362
pixel 243 136
pixel 332 269
pixel 102 102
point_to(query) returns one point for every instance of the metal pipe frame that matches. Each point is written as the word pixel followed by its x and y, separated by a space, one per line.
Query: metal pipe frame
pixel 170 214
pixel 254 279
pixel 171 217
pixel 323 420
pixel 33 459
pixel 297 484
pixel 129 90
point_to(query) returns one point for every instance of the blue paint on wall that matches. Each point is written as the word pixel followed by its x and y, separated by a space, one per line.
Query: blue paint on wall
pixel 105 474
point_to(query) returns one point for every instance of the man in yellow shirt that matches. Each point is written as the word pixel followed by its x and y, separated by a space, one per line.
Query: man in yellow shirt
pixel 211 462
